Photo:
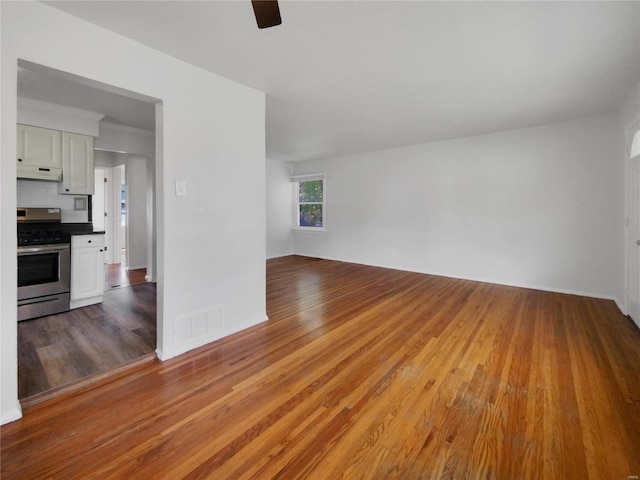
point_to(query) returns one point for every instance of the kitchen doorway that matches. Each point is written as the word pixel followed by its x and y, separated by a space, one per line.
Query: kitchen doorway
pixel 60 351
pixel 633 221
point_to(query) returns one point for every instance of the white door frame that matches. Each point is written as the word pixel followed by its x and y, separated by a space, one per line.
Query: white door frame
pixel 104 175
pixel 116 225
pixel 112 208
pixel 632 218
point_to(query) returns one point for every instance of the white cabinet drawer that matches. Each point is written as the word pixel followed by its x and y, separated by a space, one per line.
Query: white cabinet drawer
pixel 85 241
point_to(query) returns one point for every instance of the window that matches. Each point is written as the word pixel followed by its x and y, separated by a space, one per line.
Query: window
pixel 309 201
pixel 123 204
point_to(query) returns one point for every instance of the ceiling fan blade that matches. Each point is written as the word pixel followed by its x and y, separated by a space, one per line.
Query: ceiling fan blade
pixel 267 13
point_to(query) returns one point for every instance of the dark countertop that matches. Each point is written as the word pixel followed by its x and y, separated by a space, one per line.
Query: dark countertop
pixel 93 232
pixel 81 229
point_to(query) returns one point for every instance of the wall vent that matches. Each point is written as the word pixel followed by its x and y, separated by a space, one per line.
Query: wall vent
pixel 198 328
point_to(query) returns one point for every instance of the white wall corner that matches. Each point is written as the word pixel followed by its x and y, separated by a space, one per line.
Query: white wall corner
pixel 621 305
pixel 162 356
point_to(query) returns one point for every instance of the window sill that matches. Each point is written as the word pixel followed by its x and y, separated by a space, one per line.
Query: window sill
pixel 309 230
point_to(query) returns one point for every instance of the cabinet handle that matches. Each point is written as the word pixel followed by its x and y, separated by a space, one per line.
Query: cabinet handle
pixel 101 250
pixel 66 189
pixel 88 241
pixel 19 159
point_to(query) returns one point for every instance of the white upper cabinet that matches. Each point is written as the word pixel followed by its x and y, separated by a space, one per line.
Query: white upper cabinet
pixel 38 153
pixel 39 146
pixel 46 154
pixel 77 164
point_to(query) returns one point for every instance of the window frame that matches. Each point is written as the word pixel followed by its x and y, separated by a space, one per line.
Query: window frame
pixel 295 182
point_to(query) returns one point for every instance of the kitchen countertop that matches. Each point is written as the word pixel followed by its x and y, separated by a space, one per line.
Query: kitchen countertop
pixel 81 229
pixel 89 232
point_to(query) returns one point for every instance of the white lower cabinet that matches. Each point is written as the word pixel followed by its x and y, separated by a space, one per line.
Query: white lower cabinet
pixel 87 269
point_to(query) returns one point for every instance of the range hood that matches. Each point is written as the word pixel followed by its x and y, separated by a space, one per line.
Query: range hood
pixel 33 172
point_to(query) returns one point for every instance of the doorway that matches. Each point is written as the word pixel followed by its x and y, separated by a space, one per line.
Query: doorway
pixel 105 336
pixel 99 200
pixel 633 221
pixel 121 236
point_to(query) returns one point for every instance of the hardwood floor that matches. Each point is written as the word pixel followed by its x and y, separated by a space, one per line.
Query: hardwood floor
pixel 363 372
pixel 61 349
pixel 116 275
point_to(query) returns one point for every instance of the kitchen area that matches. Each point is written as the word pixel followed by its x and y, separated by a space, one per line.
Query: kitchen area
pixel 72 230
pixel 60 265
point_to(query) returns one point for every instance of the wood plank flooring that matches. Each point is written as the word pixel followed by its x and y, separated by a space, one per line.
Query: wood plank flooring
pixel 363 372
pixel 116 276
pixel 58 350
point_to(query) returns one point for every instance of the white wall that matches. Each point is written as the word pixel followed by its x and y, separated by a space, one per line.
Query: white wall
pixel 630 108
pixel 628 123
pixel 211 269
pixel 151 221
pixel 536 207
pixel 105 159
pixel 120 138
pixel 136 180
pixel 279 209
pixel 37 193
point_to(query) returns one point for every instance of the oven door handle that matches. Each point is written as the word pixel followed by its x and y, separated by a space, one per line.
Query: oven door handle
pixel 43 248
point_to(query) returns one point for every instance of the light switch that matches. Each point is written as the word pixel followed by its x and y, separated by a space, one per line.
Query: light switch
pixel 181 188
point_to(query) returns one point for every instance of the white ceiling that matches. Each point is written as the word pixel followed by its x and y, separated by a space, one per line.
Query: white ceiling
pixel 345 77
pixel 52 86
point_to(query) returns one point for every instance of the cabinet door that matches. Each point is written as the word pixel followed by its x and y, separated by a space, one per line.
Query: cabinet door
pixel 87 266
pixel 39 147
pixel 77 164
pixel 87 273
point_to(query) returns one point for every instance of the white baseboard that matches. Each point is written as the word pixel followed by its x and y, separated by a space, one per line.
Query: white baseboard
pixel 621 306
pixel 184 347
pixel 85 302
pixel 485 280
pixel 280 256
pixel 12 414
pixel 161 356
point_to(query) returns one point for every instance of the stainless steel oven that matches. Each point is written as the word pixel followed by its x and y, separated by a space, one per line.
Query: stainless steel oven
pixel 44 263
pixel 43 280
